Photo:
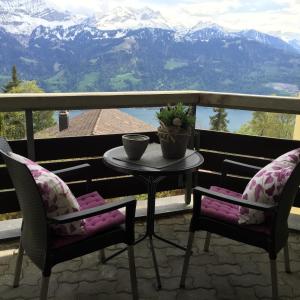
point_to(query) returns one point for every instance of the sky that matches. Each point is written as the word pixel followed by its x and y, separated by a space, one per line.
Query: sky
pixel 273 16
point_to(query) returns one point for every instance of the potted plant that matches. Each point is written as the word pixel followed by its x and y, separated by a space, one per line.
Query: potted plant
pixel 175 129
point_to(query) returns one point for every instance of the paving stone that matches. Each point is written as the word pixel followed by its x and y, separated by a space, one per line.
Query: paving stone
pixel 249 280
pixel 172 221
pixel 230 270
pixel 123 281
pixel 249 267
pixel 176 264
pixel 30 275
pixel 166 295
pixel 259 258
pixel 6 279
pixel 167 231
pixel 147 289
pixel 143 262
pixel 53 285
pixel 119 296
pixel 67 291
pixel 204 259
pixel 4 268
pixel 266 291
pixel 23 291
pixel 223 269
pixel 223 288
pixel 292 281
pixel 182 228
pixel 158 244
pixel 90 297
pixel 241 249
pixel 220 241
pixel 224 255
pixel 172 283
pixel 194 294
pixel 150 273
pixel 199 276
pixel 88 275
pixel 95 288
pixel 72 265
pixel 245 293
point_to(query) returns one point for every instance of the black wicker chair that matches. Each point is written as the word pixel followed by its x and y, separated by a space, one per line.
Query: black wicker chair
pixel 36 237
pixel 272 240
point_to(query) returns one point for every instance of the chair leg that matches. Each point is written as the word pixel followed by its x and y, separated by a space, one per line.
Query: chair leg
pixel 273 265
pixel 187 259
pixel 287 258
pixel 18 266
pixel 132 270
pixel 207 241
pixel 44 287
pixel 102 256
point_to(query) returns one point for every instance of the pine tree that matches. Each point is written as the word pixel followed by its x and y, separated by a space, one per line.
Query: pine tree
pixel 219 120
pixel 14 81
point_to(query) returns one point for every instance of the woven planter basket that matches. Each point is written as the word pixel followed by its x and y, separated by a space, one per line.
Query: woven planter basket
pixel 173 141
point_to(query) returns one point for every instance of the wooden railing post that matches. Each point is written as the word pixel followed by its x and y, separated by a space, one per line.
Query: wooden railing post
pixel 30 134
pixel 189 176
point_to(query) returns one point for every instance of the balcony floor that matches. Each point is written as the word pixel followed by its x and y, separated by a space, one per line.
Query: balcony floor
pixel 229 271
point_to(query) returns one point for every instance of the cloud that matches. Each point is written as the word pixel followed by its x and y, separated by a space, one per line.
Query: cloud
pixel 79 6
pixel 263 15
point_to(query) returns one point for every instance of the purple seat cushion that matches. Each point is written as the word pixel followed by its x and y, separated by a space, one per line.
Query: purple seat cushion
pixel 227 212
pixel 94 224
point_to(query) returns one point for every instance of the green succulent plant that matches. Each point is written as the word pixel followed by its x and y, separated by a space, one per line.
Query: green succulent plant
pixel 176 115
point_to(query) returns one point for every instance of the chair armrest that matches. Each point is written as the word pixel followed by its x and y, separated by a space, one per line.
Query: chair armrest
pixel 200 191
pixel 90 212
pixel 238 168
pixel 68 172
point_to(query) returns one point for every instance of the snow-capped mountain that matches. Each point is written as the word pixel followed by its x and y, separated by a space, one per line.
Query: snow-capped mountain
pixel 206 31
pixel 21 17
pixel 265 39
pixel 295 43
pixel 85 31
pixel 128 18
pixel 25 17
pixel 203 25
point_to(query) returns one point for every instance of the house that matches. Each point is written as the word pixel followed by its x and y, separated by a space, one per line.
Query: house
pixel 94 122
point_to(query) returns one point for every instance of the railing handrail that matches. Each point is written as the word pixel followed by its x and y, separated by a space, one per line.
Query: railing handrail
pixel 71 101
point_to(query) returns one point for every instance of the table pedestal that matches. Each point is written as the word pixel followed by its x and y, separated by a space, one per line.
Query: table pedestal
pixel 151 182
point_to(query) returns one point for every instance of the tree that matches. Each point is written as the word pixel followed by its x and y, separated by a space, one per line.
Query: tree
pixel 12 124
pixel 219 120
pixel 269 124
pixel 14 81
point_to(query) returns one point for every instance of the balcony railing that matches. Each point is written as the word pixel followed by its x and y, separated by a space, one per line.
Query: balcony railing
pixel 59 153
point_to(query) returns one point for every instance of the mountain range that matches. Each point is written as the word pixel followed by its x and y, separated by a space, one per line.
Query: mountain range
pixel 138 49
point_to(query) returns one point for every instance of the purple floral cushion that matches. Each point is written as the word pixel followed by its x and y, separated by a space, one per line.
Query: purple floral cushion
pixel 267 184
pixel 57 197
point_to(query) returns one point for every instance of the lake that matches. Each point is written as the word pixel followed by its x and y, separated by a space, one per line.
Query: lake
pixel 236 117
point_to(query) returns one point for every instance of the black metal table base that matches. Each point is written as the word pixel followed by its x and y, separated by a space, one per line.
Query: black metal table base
pixel 150 236
pixel 151 182
pixel 151 177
